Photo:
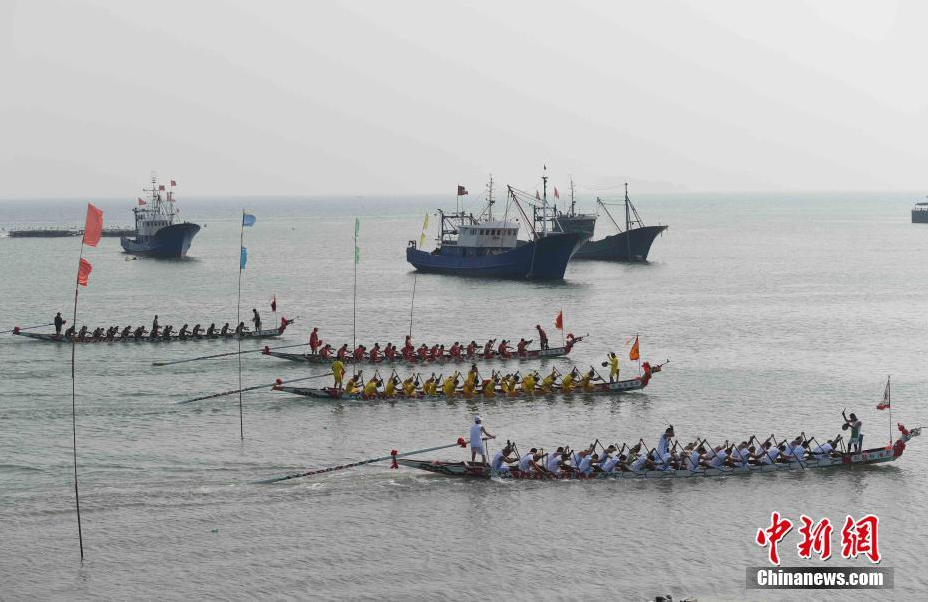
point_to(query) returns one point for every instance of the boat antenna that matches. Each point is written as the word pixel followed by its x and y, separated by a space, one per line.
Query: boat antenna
pixel 628 217
pixel 544 201
pixel 238 320
pixel 572 202
pixel 490 200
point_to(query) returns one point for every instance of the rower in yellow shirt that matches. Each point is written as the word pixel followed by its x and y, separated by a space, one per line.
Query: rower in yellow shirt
pixel 489 387
pixel 504 385
pixel 370 389
pixel 513 381
pixel 352 388
pixel 586 381
pixel 528 383
pixel 547 383
pixel 567 382
pixel 450 386
pixel 409 387
pixel 389 390
pixel 338 371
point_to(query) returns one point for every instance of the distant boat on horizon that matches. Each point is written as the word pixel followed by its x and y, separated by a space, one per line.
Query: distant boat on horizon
pixel 156 233
pixel 920 213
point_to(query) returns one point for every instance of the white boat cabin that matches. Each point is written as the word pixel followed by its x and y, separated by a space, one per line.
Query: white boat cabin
pixel 495 234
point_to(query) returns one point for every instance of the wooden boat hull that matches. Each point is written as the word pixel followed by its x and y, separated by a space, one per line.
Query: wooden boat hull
pixel 56 338
pixel 331 393
pixel 482 471
pixel 534 354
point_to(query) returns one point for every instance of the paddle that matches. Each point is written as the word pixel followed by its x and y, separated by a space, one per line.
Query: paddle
pixel 207 357
pixel 26 328
pixel 460 443
pixel 234 391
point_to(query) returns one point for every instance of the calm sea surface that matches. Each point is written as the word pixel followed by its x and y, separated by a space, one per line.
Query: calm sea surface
pixel 776 312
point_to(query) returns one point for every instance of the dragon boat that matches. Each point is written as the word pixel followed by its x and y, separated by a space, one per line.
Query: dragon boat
pixel 530 354
pixel 597 388
pixel 61 338
pixel 479 470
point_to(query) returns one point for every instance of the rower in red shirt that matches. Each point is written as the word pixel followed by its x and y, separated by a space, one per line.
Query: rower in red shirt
pixel 520 347
pixel 375 352
pixel 504 349
pixel 389 351
pixel 488 349
pixel 326 351
pixel 435 353
pixel 359 353
pixel 455 351
pixel 314 342
pixel 342 353
pixel 408 347
pixel 423 352
pixel 472 349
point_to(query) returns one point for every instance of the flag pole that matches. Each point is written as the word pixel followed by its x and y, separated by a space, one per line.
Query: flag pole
pixel 77 499
pixel 238 320
pixel 639 353
pixel 354 311
pixel 890 400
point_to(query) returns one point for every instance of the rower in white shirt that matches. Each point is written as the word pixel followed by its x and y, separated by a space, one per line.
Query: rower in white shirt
pixel 768 453
pixel 663 445
pixel 610 463
pixel 740 455
pixel 500 459
pixel 825 450
pixel 528 463
pixel 585 467
pixel 553 465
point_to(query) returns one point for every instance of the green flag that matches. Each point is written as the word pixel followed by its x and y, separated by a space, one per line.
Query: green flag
pixel 357 226
pixel 357 254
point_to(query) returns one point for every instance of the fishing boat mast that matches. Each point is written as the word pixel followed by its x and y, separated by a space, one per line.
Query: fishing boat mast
pixel 573 203
pixel 544 201
pixel 490 200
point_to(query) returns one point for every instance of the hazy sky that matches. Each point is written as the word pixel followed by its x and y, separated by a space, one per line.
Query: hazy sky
pixel 401 97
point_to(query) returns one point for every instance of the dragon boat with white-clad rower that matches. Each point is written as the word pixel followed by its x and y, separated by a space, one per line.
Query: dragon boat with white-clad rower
pixel 479 470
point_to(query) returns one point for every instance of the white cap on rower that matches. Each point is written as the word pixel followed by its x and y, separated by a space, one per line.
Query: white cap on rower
pixel 477 418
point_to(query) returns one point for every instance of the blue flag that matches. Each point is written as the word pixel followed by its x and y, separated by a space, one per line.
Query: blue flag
pixel 248 219
pixel 244 259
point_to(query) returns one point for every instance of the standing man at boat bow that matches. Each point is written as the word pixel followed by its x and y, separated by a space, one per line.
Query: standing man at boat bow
pixel 59 322
pixel 857 438
pixel 256 319
pixel 338 372
pixel 477 434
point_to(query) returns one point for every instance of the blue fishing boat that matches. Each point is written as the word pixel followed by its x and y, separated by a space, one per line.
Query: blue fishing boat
pixel 486 247
pixel 156 233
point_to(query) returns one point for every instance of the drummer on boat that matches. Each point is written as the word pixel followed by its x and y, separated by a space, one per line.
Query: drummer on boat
pixel 857 438
pixel 338 372
pixel 314 341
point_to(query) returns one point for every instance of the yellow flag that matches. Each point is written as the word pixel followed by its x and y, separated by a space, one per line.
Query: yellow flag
pixel 422 240
pixel 425 224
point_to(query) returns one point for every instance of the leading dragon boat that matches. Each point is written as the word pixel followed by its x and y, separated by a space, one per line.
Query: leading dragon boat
pixel 265 333
pixel 480 470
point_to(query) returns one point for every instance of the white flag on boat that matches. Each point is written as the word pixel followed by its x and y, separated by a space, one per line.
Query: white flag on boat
pixel 885 404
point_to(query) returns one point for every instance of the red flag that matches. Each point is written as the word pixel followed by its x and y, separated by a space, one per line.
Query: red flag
pixel 556 195
pixel 161 187
pixel 559 320
pixel 537 196
pixel 142 202
pixel 461 190
pixel 83 272
pixel 885 404
pixel 633 354
pixel 93 227
pixel 274 303
pixel 173 182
